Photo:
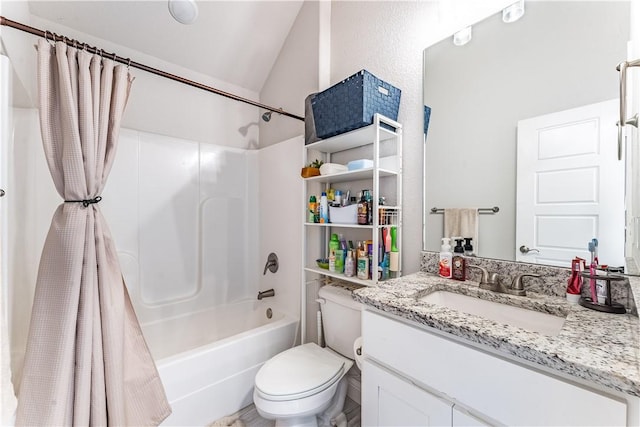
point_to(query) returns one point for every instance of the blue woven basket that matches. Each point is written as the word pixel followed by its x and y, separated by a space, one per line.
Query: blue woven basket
pixel 352 103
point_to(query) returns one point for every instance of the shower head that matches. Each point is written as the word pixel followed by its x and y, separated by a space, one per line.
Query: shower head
pixel 266 116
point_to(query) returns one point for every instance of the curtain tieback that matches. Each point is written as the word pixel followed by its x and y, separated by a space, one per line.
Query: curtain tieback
pixel 86 202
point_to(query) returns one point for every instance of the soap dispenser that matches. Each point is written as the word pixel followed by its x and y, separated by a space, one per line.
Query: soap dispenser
pixel 459 267
pixel 468 247
pixel 444 261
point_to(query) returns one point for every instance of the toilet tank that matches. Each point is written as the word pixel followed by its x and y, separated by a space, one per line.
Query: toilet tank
pixel 340 319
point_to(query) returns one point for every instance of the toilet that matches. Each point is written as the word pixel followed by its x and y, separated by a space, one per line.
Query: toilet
pixel 307 385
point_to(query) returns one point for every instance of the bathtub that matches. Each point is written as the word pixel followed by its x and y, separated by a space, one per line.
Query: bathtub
pixel 208 360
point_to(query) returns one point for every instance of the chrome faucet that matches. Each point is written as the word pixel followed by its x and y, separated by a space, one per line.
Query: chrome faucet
pixel 272 263
pixel 491 282
pixel 265 294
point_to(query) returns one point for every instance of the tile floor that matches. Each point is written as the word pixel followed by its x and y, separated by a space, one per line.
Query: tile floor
pixel 249 417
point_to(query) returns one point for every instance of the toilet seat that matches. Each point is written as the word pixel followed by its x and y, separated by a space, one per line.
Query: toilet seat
pixel 300 372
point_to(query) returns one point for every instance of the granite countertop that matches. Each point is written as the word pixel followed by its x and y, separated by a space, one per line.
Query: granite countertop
pixel 599 347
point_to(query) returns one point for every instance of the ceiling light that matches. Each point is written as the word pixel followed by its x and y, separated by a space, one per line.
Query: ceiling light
pixel 513 12
pixel 462 37
pixel 184 11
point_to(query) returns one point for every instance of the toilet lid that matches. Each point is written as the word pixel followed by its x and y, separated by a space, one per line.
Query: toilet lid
pixel 299 372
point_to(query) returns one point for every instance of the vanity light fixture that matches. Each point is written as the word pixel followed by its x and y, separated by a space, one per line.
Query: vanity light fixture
pixel 513 12
pixel 184 11
pixel 462 37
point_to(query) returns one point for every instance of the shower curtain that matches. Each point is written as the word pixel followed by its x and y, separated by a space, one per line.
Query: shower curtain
pixel 86 361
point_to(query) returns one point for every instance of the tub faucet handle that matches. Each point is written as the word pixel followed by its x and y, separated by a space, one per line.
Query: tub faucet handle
pixel 272 263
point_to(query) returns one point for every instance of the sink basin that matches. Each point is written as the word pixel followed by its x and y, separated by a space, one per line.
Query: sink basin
pixel 532 321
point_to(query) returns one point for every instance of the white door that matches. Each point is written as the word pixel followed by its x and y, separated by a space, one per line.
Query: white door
pixel 388 400
pixel 570 186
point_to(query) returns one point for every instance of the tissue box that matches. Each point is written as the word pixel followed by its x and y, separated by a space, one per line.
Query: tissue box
pixel 352 103
pixel 344 215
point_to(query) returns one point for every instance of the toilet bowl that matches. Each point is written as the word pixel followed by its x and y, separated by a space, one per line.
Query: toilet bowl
pixel 307 385
pixel 298 384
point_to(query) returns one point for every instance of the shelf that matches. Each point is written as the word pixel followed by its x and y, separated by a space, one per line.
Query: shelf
pixel 356 138
pixel 331 224
pixel 366 173
pixel 339 276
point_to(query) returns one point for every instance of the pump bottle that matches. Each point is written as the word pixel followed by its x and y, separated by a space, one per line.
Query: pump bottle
pixel 459 266
pixel 444 261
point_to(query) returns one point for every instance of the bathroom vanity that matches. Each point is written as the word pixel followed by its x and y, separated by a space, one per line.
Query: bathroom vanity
pixel 430 361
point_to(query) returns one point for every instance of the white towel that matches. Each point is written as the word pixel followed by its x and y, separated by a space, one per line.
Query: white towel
pixel 462 222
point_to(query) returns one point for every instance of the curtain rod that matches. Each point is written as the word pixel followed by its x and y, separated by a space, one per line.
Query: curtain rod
pixel 48 34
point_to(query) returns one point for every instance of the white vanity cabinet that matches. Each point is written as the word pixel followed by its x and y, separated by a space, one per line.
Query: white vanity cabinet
pixel 415 375
pixel 398 402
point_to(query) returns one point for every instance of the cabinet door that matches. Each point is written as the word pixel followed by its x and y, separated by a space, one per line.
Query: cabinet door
pixel 388 400
pixel 462 418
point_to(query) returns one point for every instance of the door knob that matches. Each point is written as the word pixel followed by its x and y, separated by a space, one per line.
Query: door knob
pixel 525 250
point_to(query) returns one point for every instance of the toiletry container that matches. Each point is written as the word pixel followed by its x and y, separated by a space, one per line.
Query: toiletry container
pixel 458 262
pixel 324 208
pixel 394 254
pixel 468 247
pixel 312 209
pixel 362 262
pixel 445 259
pixel 334 247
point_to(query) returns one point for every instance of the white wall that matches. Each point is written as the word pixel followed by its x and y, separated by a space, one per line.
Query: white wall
pixel 293 77
pixel 280 213
pixel 387 39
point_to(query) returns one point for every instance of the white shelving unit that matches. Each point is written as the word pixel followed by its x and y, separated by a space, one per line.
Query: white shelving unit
pixel 367 142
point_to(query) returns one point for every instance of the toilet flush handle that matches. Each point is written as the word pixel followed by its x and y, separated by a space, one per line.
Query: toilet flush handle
pixel 321 301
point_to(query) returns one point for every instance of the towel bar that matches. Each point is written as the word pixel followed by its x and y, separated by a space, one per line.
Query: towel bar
pixel 492 210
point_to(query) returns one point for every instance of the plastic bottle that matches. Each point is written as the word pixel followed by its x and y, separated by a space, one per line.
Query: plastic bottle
pixel 394 255
pixel 324 208
pixel 334 246
pixel 363 262
pixel 363 213
pixel 445 259
pixel 311 215
pixel 458 262
pixel 350 265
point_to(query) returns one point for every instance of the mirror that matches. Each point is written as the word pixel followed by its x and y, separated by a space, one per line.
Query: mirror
pixel 558 56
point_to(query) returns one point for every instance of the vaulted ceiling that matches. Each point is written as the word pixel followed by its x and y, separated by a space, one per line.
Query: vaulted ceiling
pixel 234 41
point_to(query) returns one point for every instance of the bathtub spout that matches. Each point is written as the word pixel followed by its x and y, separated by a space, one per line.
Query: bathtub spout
pixel 265 294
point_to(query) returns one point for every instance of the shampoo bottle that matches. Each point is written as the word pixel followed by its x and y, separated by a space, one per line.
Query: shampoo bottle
pixel 444 261
pixel 459 267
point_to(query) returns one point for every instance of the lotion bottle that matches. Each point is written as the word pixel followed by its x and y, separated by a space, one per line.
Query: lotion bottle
pixel 445 259
pixel 459 267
